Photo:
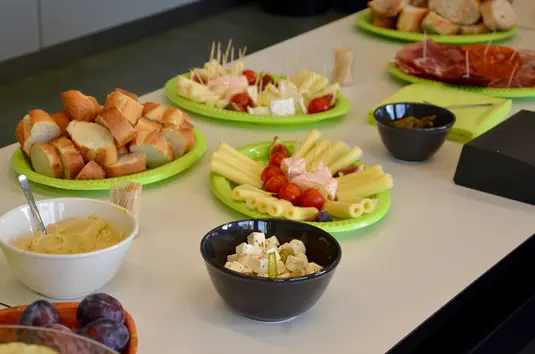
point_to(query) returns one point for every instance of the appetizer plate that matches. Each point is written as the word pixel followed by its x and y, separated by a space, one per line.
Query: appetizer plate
pixel 222 189
pixel 340 108
pixel 487 91
pixel 22 165
pixel 364 21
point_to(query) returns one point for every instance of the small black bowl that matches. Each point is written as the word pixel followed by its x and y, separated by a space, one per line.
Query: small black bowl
pixel 413 144
pixel 263 299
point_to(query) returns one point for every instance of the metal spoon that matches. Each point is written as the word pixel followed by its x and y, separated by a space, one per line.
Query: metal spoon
pixel 461 106
pixel 25 185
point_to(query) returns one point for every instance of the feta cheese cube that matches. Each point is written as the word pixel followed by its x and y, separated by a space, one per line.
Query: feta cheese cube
pixel 243 249
pixel 252 91
pixel 281 268
pixel 246 260
pixel 265 253
pixel 259 265
pixel 283 246
pixel 272 242
pixel 283 107
pixel 232 258
pixel 294 247
pixel 296 263
pixel 257 239
pixel 235 266
pixel 312 268
pixel 247 271
pixel 259 111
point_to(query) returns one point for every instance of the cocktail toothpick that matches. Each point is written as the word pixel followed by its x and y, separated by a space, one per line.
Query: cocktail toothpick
pixel 511 77
pixel 467 62
pixel 425 44
pixel 287 69
pixel 212 52
pixel 489 43
pixel 219 52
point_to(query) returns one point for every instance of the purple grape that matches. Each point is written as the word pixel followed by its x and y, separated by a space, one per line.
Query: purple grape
pixel 324 216
pixel 39 314
pixel 97 306
pixel 108 332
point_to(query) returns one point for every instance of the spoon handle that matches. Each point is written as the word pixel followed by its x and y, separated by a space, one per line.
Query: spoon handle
pixel 25 185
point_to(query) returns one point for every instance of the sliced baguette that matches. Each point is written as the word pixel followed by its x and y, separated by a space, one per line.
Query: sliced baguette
pixel 131 109
pixel 62 119
pixel 72 160
pixel 498 15
pixel 155 146
pixel 181 139
pixel 176 117
pixel 147 124
pixel 153 111
pixel 123 150
pixel 384 22
pixel 128 93
pixel 434 23
pixel 94 142
pixel 121 129
pixel 79 106
pixel 463 12
pixel 91 170
pixel 386 8
pixel 419 3
pixel 474 29
pixel 410 19
pixel 37 127
pixel 46 161
pixel 127 164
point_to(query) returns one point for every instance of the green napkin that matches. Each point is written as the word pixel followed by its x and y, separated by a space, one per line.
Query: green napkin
pixel 471 122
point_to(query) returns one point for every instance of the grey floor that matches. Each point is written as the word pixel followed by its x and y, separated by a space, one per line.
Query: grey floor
pixel 144 66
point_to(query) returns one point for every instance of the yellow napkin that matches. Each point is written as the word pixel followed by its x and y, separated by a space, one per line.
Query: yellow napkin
pixel 470 123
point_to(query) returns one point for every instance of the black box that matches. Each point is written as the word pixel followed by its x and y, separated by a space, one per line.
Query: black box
pixel 502 160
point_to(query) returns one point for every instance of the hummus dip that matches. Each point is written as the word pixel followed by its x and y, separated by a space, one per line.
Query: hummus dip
pixel 72 236
pixel 21 348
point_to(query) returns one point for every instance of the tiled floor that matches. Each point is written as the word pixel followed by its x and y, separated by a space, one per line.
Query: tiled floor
pixel 144 66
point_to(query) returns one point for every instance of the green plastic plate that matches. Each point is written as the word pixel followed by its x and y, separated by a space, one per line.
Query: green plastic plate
pixel 488 91
pixel 222 189
pixel 340 109
pixel 364 21
pixel 21 165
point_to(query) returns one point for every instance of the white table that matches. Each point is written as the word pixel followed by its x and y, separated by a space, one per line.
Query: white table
pixel 393 275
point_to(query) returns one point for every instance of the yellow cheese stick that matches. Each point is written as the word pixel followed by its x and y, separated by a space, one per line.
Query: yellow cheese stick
pixel 300 214
pixel 366 189
pixel 346 160
pixel 333 152
pixel 251 203
pixel 276 208
pixel 233 174
pixel 309 141
pixel 311 155
pixel 244 191
pixel 233 161
pixel 262 203
pixel 368 172
pixel 344 210
pixel 238 155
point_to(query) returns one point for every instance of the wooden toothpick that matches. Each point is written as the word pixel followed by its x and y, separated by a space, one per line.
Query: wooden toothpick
pixel 244 51
pixel 212 52
pixel 218 52
pixel 489 43
pixel 287 69
pixel 466 58
pixel 425 44
pixel 511 77
pixel 296 146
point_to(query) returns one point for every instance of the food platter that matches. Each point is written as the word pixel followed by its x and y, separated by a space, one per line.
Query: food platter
pixel 21 165
pixel 222 189
pixel 488 91
pixel 340 108
pixel 364 17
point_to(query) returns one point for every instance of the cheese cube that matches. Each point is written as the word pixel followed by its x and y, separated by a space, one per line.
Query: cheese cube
pixel 247 271
pixel 243 249
pixel 283 107
pixel 265 253
pixel 232 258
pixel 312 268
pixel 281 268
pixel 294 247
pixel 257 239
pixel 246 260
pixel 296 263
pixel 259 265
pixel 283 246
pixel 235 266
pixel 258 111
pixel 252 91
pixel 272 242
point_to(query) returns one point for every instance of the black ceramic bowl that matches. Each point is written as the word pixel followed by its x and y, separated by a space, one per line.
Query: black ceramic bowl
pixel 263 299
pixel 412 144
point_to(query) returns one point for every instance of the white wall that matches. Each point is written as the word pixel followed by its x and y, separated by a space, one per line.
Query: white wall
pixel 19 28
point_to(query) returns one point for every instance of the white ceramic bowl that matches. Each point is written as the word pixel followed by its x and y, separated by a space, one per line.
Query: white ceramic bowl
pixel 65 276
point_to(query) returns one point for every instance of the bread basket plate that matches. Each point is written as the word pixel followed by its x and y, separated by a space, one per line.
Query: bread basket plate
pixel 524 92
pixel 364 21
pixel 222 189
pixel 22 165
pixel 340 108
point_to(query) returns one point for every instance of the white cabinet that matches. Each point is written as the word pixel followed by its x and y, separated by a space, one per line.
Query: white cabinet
pixel 19 28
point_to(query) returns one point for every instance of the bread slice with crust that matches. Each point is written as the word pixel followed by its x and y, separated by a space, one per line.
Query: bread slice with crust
pixel 176 117
pixel 386 8
pixel 181 139
pixel 79 106
pixel 153 111
pixel 434 23
pixel 62 119
pixel 410 19
pixel 123 150
pixel 155 146
pixel 72 160
pixel 148 125
pixel 128 93
pixel 46 161
pixel 461 12
pixel 91 170
pixel 384 22
pixel 498 15
pixel 37 127
pixel 419 3
pixel 127 164
pixel 474 29
pixel 121 129
pixel 94 142
pixel 131 109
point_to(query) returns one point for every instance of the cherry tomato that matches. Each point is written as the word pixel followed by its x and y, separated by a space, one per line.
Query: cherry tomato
pixel 270 171
pixel 290 192
pixel 276 158
pixel 196 78
pixel 251 76
pixel 329 98
pixel 312 198
pixel 318 105
pixel 265 79
pixel 275 183
pixel 242 99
